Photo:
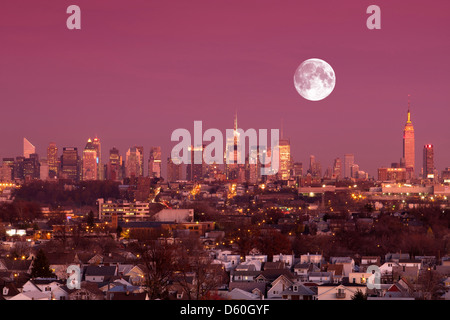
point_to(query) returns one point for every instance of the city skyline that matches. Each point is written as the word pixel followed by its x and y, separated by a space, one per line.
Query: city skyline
pixel 139 93
pixel 90 160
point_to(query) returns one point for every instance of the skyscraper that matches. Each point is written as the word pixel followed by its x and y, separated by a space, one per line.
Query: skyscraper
pixel 428 162
pixel 194 169
pixel 285 162
pixel 18 168
pixel 114 165
pixel 349 161
pixel 408 145
pixel 154 162
pixel 337 169
pixel 133 162
pixel 28 148
pixel 141 161
pixel 315 168
pixel 174 171
pixel 31 167
pixel 232 153
pixel 70 164
pixel 7 170
pixel 98 148
pixel 52 160
pixel 44 171
pixel 90 162
pixel 297 169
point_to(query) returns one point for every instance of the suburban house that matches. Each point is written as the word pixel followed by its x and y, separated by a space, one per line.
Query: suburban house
pixel 320 277
pixel 99 273
pixel 298 291
pixel 278 286
pixel 339 292
pixel 347 263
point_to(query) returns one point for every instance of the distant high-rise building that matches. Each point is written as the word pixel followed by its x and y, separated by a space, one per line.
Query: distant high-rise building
pixel 392 174
pixel 285 162
pixel 31 167
pixel 428 162
pixel 52 160
pixel 133 162
pixel 98 149
pixel 337 169
pixel 174 171
pixel 349 161
pixel 154 162
pixel 408 144
pixel 233 153
pixel 115 165
pixel 90 162
pixel 19 168
pixel 70 164
pixel 7 170
pixel 297 169
pixel 141 161
pixel 28 148
pixel 194 169
pixel 253 166
pixel 44 170
pixel 446 175
pixel 354 169
pixel 315 168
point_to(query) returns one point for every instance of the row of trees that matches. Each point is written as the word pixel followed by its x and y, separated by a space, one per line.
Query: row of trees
pixel 185 264
pixel 20 212
pixel 53 194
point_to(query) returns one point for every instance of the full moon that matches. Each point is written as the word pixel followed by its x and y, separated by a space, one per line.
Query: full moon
pixel 314 79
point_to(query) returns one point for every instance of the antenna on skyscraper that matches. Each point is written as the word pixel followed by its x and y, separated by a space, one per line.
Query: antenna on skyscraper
pixel 409 107
pixel 235 120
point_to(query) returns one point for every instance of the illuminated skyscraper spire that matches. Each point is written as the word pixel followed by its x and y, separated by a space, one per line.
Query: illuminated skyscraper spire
pixel 409 109
pixel 408 143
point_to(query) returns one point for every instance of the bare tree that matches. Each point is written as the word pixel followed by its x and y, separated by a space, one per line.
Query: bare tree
pixel 195 272
pixel 430 285
pixel 157 258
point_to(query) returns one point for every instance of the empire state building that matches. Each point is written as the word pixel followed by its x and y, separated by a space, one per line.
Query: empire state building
pixel 408 146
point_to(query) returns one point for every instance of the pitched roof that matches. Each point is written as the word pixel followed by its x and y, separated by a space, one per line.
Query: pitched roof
pixel 17 265
pixel 301 290
pixel 337 268
pixel 128 296
pixel 274 265
pixel 100 271
pixel 248 286
pixel 273 274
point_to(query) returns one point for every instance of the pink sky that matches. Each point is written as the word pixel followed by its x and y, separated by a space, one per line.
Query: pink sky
pixel 137 70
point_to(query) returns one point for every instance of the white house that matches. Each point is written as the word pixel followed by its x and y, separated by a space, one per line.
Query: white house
pixel 288 259
pixel 311 258
pixel 320 277
pixel 388 267
pixel 32 295
pixel 260 257
pixel 359 277
pixel 339 292
pixel 279 285
pixel 347 263
pixel 52 287
pixel 99 273
pixel 239 294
